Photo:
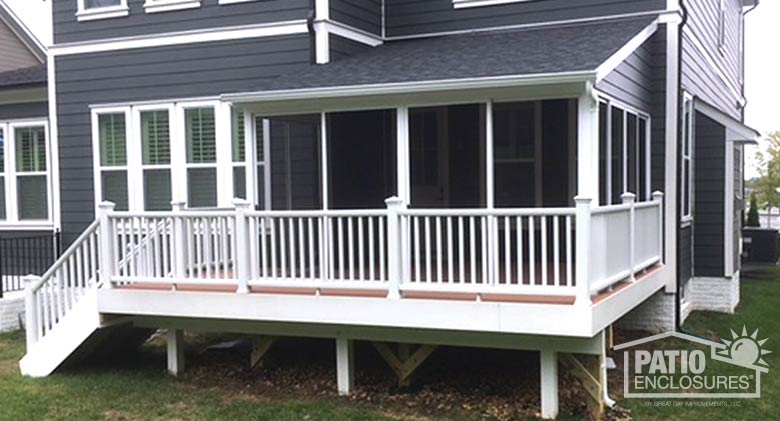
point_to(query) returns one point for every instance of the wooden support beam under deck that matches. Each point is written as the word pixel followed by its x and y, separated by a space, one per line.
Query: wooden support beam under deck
pixel 260 347
pixel 404 363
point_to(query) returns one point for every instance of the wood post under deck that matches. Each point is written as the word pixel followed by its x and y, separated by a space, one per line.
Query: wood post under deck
pixel 175 350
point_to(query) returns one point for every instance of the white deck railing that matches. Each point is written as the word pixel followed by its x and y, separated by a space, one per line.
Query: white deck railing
pixel 540 251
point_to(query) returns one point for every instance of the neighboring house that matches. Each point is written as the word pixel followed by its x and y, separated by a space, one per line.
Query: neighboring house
pixel 26 184
pixel 494 173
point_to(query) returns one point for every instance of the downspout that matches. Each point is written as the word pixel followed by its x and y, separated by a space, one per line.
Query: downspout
pixel 312 32
pixel 744 44
pixel 678 211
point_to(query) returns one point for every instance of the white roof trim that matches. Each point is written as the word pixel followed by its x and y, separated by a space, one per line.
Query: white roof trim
pixel 624 52
pixel 746 133
pixel 411 87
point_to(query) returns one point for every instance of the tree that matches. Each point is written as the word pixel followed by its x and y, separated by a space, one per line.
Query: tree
pixel 767 186
pixel 752 217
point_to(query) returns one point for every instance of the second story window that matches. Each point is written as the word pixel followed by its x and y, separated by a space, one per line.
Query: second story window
pixel 101 9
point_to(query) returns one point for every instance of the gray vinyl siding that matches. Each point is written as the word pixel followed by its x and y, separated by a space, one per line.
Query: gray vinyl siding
pixel 162 74
pixel 342 47
pixel 709 162
pixel 698 76
pixel 640 81
pixel 685 259
pixel 15 55
pixel 411 17
pixel 361 14
pixel 209 15
pixel 24 110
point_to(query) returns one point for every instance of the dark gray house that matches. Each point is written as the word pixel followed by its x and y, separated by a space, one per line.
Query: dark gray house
pixel 497 173
pixel 26 183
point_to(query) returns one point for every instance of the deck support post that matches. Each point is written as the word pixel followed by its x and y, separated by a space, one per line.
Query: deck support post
pixel 260 347
pixel 345 366
pixel 630 200
pixel 175 347
pixel 394 247
pixel 582 253
pixel 242 256
pixel 405 362
pixel 549 384
pixel 107 252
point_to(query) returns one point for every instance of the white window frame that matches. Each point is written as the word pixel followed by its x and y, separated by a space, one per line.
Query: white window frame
pixel 139 196
pixel 640 115
pixel 86 14
pixel 460 4
pixel 687 155
pixel 157 6
pixel 11 176
pixel 178 165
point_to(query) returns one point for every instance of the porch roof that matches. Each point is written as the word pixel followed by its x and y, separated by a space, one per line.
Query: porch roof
pixel 564 53
pixel 27 76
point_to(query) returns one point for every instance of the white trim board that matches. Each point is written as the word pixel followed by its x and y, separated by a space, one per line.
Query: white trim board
pixel 183 37
pixel 625 52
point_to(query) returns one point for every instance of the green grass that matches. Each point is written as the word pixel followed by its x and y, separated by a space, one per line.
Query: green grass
pixel 759 309
pixel 145 394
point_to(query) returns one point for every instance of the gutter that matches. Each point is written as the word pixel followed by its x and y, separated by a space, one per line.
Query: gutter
pixel 413 87
pixel 678 201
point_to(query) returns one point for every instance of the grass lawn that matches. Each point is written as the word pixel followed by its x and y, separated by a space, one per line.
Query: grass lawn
pixel 759 309
pixel 140 389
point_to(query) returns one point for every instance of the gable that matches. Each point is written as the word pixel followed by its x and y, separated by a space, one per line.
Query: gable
pixel 15 54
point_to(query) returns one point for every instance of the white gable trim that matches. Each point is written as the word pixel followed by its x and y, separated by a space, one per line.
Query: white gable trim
pixel 625 52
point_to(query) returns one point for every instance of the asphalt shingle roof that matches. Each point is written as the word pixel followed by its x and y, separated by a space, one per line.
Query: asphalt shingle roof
pixel 541 50
pixel 35 75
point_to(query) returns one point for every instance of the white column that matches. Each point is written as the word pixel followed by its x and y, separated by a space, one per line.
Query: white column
pixel 107 252
pixel 395 267
pixel 588 146
pixel 658 197
pixel 582 250
pixel 670 151
pixel 180 242
pixel 630 199
pixel 402 154
pixel 30 311
pixel 549 383
pixel 242 256
pixel 224 136
pixel 324 159
pixel 175 348
pixel 345 366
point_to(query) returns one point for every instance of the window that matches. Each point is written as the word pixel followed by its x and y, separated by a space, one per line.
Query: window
pixel 238 151
pixel 113 177
pixel 156 159
pixel 686 176
pixel 624 137
pixel 25 193
pixel 101 9
pixel 201 146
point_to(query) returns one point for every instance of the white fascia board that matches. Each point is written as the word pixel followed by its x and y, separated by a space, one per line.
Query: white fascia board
pixel 745 133
pixel 625 51
pixel 352 33
pixel 183 37
pixel 411 87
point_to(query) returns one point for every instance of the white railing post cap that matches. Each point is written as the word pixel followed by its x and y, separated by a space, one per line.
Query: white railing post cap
pixel 394 201
pixel 106 205
pixel 241 203
pixel 658 195
pixel 628 197
pixel 28 280
pixel 580 200
pixel 178 204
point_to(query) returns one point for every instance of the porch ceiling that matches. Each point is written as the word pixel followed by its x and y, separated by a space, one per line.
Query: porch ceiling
pixel 562 53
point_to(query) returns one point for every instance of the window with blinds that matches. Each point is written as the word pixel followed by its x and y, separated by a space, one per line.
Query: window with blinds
pixel 201 144
pixel 112 132
pixel 31 175
pixel 156 159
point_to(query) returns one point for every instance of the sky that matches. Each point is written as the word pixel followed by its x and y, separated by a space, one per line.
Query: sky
pixel 762 50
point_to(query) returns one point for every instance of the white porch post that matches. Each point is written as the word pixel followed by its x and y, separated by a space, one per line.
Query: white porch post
pixel 345 366
pixel 404 187
pixel 30 311
pixel 179 241
pixel 658 197
pixel 175 350
pixel 242 256
pixel 395 252
pixel 549 383
pixel 588 146
pixel 107 252
pixel 582 251
pixel 630 200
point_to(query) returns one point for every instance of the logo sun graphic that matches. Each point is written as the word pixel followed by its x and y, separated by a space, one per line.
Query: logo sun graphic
pixel 745 350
